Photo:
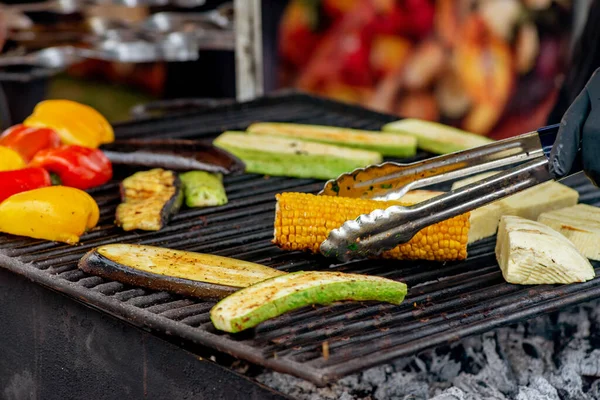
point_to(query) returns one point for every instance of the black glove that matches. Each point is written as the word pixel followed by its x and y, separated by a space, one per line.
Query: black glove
pixel 579 134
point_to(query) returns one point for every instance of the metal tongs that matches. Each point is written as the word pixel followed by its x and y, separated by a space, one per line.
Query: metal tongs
pixel 381 230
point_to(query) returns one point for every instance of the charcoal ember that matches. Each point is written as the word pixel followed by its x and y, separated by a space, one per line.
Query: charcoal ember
pixel 402 386
pixel 473 352
pixel 497 371
pixel 574 352
pixel 376 376
pixel 568 383
pixel 453 393
pixel 299 388
pixel 590 365
pixel 538 389
pixel 594 391
pixel 543 326
pixel 355 383
pixel 594 317
pixel 444 368
pixel 529 357
pixel 476 387
pixel 574 323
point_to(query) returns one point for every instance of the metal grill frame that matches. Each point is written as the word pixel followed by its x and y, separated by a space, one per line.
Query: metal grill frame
pixel 446 302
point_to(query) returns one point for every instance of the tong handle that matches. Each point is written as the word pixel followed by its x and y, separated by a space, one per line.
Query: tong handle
pixel 548 136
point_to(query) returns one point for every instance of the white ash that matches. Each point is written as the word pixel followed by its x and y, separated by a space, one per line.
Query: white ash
pixel 552 357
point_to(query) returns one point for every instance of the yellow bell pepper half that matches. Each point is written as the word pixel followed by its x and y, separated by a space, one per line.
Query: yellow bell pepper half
pixel 56 213
pixel 75 123
pixel 10 159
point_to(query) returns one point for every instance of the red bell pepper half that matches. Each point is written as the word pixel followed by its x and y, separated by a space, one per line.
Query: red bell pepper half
pixel 27 140
pixel 76 166
pixel 22 180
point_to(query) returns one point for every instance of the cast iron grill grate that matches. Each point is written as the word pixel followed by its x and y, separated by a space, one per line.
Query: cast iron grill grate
pixel 445 303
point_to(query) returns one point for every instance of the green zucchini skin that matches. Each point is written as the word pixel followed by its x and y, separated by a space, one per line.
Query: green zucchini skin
pixel 270 298
pixel 96 264
pixel 388 145
pixel 435 137
pixel 282 156
pixel 203 189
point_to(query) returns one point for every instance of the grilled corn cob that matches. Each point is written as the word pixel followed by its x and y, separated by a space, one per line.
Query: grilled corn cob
pixel 303 221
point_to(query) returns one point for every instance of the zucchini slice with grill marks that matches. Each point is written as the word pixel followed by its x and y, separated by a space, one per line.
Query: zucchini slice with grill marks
pixel 248 307
pixel 150 199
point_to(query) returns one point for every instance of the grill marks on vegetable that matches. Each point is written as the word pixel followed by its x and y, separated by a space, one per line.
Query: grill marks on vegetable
pixel 150 199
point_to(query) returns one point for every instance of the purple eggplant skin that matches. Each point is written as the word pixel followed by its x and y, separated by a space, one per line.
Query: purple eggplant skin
pixel 173 154
pixel 96 264
pixel 169 208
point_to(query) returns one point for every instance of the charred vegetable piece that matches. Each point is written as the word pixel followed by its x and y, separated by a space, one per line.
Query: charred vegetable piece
pixel 203 189
pixel 530 253
pixel 435 137
pixel 150 199
pixel 270 298
pixel 57 213
pixel 280 156
pixel 182 272
pixel 580 224
pixel 173 154
pixel 387 145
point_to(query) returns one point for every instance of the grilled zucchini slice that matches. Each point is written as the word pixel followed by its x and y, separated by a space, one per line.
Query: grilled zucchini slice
pixel 435 137
pixel 249 307
pixel 203 189
pixel 387 145
pixel 280 156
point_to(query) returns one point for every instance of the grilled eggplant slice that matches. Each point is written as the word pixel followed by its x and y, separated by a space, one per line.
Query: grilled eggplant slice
pixel 249 307
pixel 150 199
pixel 190 274
pixel 173 154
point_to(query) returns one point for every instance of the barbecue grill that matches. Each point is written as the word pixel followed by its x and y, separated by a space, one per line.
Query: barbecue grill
pixel 446 302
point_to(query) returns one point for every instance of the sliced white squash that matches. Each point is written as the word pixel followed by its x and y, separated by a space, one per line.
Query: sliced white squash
pixel 580 224
pixel 530 253
pixel 529 203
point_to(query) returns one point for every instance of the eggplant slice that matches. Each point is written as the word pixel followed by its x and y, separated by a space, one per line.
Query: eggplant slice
pixel 173 154
pixel 150 199
pixel 186 273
